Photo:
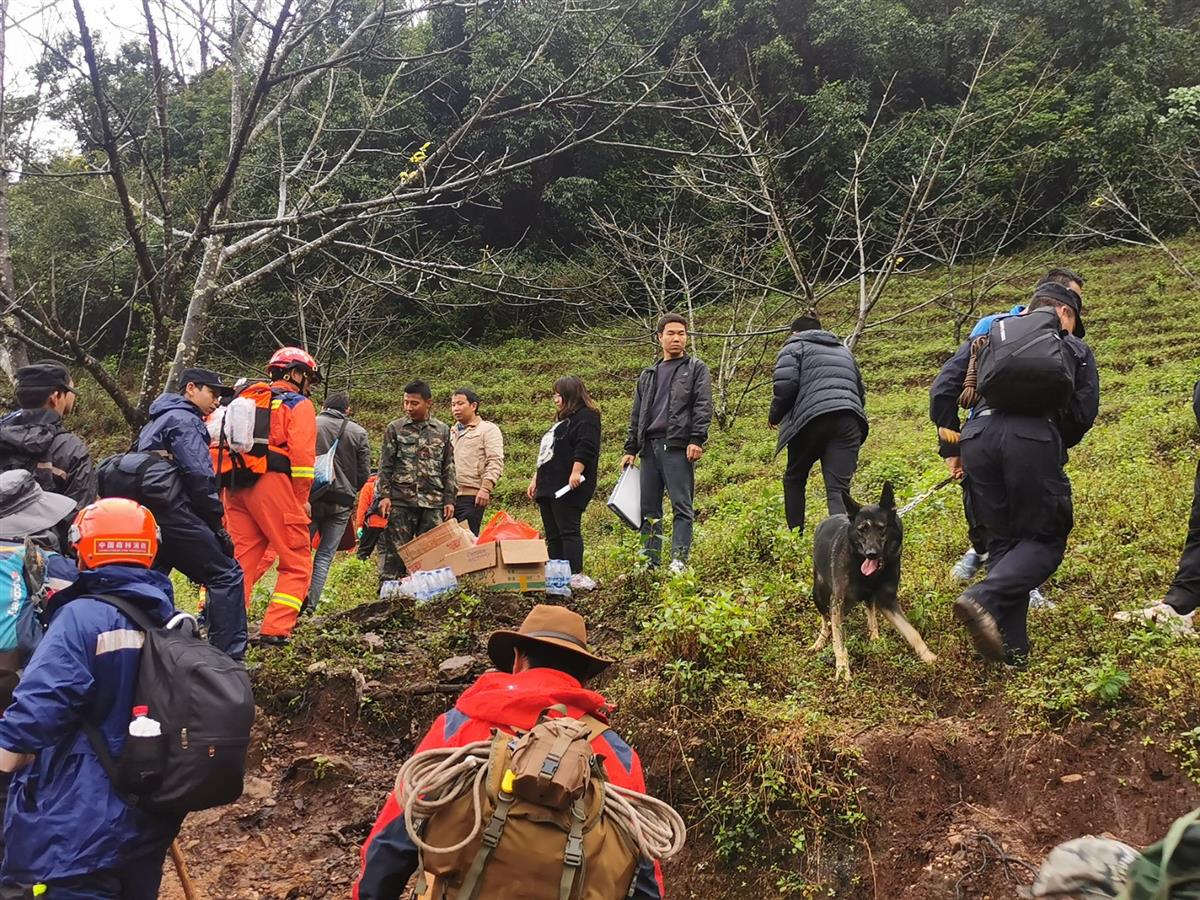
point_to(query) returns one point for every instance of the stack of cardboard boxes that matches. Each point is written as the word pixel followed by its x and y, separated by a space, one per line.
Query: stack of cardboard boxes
pixel 501 565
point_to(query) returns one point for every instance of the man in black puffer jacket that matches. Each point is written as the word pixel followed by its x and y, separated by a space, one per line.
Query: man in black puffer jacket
pixel 819 408
pixel 34 438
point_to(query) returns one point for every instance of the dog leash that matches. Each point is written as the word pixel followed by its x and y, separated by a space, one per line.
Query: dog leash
pixel 914 503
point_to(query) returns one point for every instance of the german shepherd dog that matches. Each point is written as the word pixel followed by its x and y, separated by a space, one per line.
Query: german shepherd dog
pixel 856 559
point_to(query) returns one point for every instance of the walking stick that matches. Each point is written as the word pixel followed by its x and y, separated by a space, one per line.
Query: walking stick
pixel 189 887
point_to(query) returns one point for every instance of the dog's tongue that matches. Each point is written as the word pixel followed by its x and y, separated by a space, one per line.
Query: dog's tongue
pixel 870 566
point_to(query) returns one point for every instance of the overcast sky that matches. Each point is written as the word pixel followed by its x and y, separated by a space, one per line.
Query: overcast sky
pixel 111 22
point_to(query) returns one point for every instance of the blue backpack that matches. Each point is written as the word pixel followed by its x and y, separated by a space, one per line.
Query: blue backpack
pixel 22 592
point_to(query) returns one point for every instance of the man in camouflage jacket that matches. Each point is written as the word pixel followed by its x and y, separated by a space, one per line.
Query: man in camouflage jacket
pixel 416 477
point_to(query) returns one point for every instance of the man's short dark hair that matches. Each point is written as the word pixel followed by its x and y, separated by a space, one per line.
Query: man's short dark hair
pixel 419 387
pixel 1061 275
pixel 471 396
pixel 806 323
pixel 1044 303
pixel 671 319
pixel 34 398
pixel 544 656
pixel 339 400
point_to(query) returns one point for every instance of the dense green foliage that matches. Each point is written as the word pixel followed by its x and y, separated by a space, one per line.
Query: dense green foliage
pixel 1072 102
pixel 724 649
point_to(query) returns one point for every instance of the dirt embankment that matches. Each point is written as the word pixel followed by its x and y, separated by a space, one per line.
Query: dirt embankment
pixel 952 808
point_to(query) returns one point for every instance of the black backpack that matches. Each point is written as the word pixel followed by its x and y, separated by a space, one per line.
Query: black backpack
pixel 150 478
pixel 1025 367
pixel 203 701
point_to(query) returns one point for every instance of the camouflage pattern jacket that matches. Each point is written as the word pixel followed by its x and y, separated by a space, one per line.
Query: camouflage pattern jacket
pixel 416 467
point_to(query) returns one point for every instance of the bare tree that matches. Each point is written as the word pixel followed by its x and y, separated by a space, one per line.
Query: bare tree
pixel 285 76
pixel 12 352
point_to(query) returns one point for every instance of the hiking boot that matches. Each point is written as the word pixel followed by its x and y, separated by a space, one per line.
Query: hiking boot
pixel 269 640
pixel 968 567
pixel 308 607
pixel 982 627
pixel 677 567
pixel 1037 600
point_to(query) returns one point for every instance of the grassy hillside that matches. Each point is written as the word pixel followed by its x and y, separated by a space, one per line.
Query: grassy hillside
pixel 738 722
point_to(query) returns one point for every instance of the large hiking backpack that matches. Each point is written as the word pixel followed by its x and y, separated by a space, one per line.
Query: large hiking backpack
pixel 150 478
pixel 22 592
pixel 203 702
pixel 243 449
pixel 1025 366
pixel 531 822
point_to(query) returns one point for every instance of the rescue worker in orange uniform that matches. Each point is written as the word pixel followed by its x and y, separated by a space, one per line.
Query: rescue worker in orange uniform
pixel 267 504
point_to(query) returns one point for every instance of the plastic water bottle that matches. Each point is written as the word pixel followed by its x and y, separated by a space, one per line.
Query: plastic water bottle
pixel 142 725
pixel 558 578
pixel 389 590
pixel 425 586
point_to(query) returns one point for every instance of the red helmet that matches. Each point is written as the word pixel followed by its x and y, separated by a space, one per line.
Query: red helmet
pixel 115 530
pixel 288 358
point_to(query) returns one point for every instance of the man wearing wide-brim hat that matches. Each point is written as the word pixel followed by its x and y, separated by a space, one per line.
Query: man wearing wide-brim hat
pixel 546 662
pixel 28 520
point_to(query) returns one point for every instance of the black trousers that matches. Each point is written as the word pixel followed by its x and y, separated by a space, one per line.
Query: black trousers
pixel 1022 497
pixel 976 533
pixel 465 510
pixel 1184 595
pixel 832 439
pixel 190 546
pixel 564 539
pixel 369 541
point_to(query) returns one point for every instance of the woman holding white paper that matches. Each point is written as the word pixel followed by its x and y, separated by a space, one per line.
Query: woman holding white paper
pixel 567 459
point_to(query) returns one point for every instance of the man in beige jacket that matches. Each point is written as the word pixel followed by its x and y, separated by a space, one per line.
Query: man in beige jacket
pixel 478 457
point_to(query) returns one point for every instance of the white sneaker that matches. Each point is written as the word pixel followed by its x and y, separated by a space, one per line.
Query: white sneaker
pixel 968 567
pixel 581 582
pixel 1160 614
pixel 1037 600
pixel 677 567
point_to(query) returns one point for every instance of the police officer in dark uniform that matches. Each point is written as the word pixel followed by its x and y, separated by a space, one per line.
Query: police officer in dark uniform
pixel 1184 595
pixel 1017 485
pixel 33 438
pixel 194 539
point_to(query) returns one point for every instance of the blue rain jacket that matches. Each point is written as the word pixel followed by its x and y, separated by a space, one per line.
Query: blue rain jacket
pixel 177 427
pixel 64 818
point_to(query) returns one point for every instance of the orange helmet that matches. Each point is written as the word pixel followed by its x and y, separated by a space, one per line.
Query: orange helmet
pixel 288 358
pixel 114 530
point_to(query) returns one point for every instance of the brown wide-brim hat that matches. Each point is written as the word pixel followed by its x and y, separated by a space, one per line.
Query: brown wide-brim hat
pixel 553 626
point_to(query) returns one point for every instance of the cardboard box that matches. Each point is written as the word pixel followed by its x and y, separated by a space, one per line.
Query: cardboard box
pixel 504 565
pixel 429 550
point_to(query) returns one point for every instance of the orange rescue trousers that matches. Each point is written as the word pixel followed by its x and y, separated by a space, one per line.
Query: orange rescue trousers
pixel 267 516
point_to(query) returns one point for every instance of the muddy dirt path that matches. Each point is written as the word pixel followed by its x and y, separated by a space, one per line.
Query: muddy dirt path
pixel 953 807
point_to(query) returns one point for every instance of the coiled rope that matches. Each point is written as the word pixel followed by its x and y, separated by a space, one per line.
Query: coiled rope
pixel 434 778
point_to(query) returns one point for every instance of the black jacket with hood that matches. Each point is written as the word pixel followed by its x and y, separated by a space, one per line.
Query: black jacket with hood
pixel 815 375
pixel 35 440
pixel 690 408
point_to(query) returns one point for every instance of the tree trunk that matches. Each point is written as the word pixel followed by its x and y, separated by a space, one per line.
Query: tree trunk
pixel 13 354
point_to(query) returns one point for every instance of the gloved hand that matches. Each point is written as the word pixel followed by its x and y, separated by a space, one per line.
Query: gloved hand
pixel 226 542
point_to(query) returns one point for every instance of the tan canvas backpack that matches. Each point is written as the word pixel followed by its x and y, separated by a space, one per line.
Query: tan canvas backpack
pixel 543 835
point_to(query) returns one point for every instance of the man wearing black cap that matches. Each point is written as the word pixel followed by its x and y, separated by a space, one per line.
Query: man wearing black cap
pixel 194 539
pixel 1013 462
pixel 33 437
